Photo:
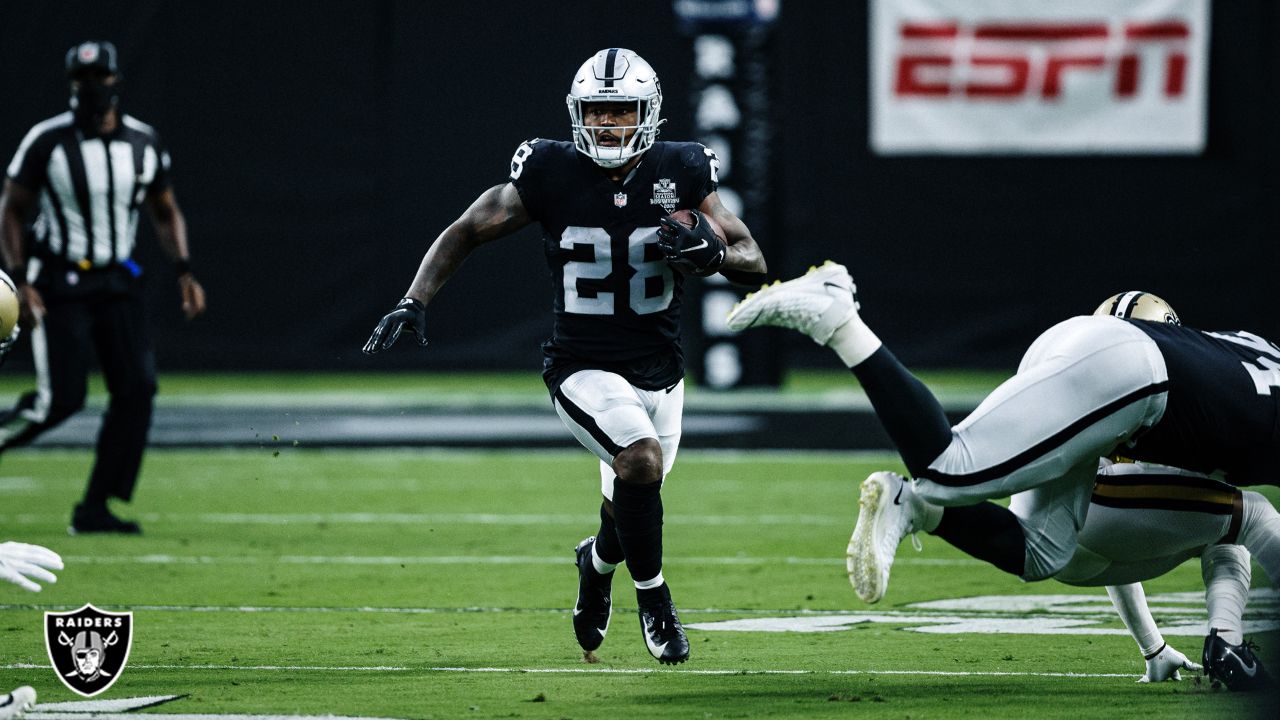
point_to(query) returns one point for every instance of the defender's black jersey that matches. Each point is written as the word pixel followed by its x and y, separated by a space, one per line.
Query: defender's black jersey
pixel 617 302
pixel 1223 405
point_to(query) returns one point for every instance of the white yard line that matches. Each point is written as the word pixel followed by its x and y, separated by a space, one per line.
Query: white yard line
pixel 371 518
pixel 163 559
pixel 594 671
pixel 905 614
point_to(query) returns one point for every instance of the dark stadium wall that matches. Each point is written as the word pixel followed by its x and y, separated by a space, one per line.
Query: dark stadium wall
pixel 320 147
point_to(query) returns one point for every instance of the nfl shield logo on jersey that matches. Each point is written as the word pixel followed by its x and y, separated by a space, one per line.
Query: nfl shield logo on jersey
pixel 620 200
pixel 88 647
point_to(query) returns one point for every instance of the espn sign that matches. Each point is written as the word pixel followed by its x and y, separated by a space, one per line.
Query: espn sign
pixel 1034 76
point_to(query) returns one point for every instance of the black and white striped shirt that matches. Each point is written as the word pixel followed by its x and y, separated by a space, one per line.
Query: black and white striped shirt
pixel 90 188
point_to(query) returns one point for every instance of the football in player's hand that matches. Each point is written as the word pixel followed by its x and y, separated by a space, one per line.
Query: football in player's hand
pixel 693 242
pixel 688 219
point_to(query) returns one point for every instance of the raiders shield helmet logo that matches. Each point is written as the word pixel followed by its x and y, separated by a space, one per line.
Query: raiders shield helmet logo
pixel 88 647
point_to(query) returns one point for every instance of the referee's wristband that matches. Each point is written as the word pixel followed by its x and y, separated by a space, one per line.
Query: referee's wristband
pixel 182 266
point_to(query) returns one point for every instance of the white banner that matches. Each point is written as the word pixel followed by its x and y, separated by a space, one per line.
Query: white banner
pixel 1038 76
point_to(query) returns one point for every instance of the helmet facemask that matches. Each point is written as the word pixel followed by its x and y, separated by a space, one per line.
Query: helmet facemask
pixel 615 76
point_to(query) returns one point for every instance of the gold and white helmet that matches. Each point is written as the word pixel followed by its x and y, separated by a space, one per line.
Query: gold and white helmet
pixel 1138 305
pixel 8 305
pixel 616 75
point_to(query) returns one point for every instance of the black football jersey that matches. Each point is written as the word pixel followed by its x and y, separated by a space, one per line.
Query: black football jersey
pixel 1224 396
pixel 617 302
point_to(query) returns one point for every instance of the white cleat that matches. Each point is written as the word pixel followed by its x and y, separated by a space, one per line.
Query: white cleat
pixel 884 518
pixel 816 303
pixel 14 704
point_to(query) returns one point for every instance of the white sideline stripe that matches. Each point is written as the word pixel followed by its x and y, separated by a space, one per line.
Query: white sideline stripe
pixel 37 715
pixel 441 519
pixel 788 612
pixel 600 671
pixel 463 560
pixel 301 668
pixel 104 706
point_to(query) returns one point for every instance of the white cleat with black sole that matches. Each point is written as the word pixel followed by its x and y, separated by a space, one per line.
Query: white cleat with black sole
pixel 885 517
pixel 815 304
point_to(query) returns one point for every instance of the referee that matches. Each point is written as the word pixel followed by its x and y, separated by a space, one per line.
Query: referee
pixel 85 174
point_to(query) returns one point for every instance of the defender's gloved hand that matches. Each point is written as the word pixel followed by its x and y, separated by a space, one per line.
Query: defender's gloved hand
pixel 20 562
pixel 697 249
pixel 409 314
pixel 1165 664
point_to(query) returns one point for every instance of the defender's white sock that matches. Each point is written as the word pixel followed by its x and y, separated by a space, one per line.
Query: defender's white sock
pixel 1226 573
pixel 925 516
pixel 854 341
pixel 1131 604
pixel 1260 534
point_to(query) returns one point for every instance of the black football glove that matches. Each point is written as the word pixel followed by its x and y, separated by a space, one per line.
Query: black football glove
pixel 696 249
pixel 410 314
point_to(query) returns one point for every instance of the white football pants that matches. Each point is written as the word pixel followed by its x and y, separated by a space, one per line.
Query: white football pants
pixel 1084 386
pixel 607 414
pixel 1145 520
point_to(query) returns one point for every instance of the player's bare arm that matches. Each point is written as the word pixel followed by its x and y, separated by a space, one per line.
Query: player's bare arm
pixel 171 231
pixel 16 205
pixel 744 263
pixel 498 212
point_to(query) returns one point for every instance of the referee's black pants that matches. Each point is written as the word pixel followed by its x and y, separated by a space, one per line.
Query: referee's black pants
pixel 62 345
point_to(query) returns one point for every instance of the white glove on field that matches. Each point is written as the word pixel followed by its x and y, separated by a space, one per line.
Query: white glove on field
pixel 20 563
pixel 1165 664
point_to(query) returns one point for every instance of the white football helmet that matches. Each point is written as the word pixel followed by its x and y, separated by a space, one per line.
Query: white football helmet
pixel 1138 305
pixel 615 75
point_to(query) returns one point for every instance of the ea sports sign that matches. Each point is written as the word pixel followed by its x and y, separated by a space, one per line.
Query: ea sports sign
pixel 88 647
pixel 1011 76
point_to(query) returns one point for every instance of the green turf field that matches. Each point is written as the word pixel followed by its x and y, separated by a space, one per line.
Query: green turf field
pixel 436 584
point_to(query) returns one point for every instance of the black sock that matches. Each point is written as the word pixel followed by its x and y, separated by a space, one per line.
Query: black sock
pixel 988 532
pixel 608 547
pixel 94 500
pixel 909 412
pixel 637 512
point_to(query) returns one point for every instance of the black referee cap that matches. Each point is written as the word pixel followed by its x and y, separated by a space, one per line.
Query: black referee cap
pixel 93 54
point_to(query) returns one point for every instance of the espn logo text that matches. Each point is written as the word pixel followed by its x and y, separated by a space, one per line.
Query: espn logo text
pixel 1004 61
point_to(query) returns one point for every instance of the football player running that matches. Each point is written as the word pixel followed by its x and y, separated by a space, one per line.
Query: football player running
pixel 1087 388
pixel 613 364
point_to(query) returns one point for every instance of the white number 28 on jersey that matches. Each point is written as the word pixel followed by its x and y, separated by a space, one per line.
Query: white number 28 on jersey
pixel 602 266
